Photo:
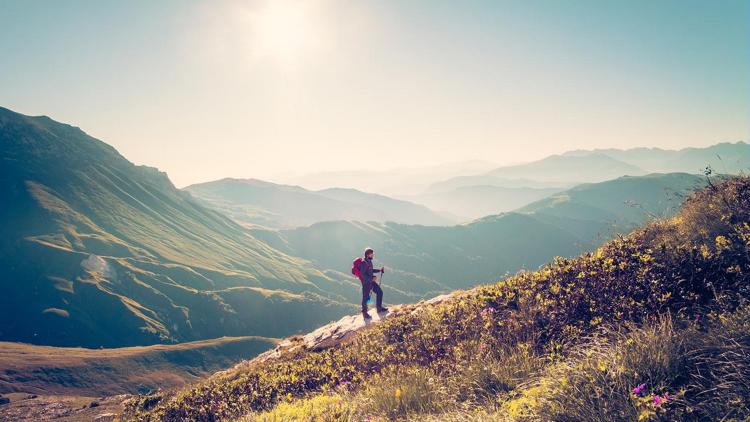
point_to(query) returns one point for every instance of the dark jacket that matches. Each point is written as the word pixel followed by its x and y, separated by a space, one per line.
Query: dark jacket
pixel 366 272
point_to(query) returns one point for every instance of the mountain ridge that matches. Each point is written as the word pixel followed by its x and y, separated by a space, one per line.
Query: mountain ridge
pixel 256 202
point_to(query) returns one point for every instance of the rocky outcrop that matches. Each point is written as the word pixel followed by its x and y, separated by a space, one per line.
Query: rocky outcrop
pixel 337 332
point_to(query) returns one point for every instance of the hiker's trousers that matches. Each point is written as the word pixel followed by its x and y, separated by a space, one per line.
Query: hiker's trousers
pixel 375 287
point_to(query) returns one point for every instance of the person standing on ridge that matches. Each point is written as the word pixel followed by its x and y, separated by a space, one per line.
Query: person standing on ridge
pixel 369 283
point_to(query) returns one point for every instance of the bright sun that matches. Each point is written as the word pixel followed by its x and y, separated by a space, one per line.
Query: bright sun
pixel 282 30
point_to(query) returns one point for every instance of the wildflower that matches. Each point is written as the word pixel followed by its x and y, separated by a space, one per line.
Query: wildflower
pixel 482 346
pixel 398 393
pixel 639 389
pixel 659 400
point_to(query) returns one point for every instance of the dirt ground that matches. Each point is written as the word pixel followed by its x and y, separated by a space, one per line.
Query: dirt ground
pixel 32 407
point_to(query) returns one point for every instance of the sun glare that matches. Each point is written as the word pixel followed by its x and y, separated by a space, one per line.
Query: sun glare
pixel 282 30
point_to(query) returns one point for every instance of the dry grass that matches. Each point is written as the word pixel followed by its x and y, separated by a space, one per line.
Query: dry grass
pixel 93 372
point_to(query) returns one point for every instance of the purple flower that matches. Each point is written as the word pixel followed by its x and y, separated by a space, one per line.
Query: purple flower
pixel 659 400
pixel 639 389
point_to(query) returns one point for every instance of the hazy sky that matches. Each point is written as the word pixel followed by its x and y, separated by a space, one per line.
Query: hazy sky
pixel 205 90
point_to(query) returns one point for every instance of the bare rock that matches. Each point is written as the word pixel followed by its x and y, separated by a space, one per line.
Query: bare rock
pixel 105 417
pixel 343 329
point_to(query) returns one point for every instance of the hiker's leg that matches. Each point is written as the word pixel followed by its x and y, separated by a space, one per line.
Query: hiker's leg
pixel 365 295
pixel 379 293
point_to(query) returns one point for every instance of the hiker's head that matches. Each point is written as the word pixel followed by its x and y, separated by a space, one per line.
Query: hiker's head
pixel 369 252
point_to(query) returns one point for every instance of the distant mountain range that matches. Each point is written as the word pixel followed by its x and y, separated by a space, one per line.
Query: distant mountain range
pixel 585 166
pixel 389 181
pixel 256 202
pixel 725 158
pixel 434 259
pixel 506 188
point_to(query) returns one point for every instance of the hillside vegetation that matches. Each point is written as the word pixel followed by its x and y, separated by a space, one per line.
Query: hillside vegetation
pixel 653 325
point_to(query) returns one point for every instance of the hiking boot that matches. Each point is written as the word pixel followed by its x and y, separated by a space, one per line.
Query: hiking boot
pixel 382 309
pixel 365 315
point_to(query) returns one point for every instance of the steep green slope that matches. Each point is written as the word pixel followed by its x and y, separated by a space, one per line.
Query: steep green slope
pixel 428 260
pixel 95 251
pixel 597 210
pixel 255 202
pixel 579 339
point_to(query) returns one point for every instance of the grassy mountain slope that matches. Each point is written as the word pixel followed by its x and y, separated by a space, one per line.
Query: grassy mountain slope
pixel 429 260
pixel 572 341
pixel 601 209
pixel 256 202
pixel 95 372
pixel 96 251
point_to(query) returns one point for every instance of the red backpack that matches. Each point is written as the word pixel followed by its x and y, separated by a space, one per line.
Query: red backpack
pixel 355 267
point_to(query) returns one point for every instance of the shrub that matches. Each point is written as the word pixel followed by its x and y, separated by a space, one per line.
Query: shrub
pixel 658 372
pixel 403 391
pixel 321 408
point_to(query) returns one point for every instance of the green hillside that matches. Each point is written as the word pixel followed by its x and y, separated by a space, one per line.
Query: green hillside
pixel 255 202
pixel 597 210
pixel 96 251
pixel 654 325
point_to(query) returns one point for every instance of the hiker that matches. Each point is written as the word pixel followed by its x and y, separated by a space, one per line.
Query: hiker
pixel 369 282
